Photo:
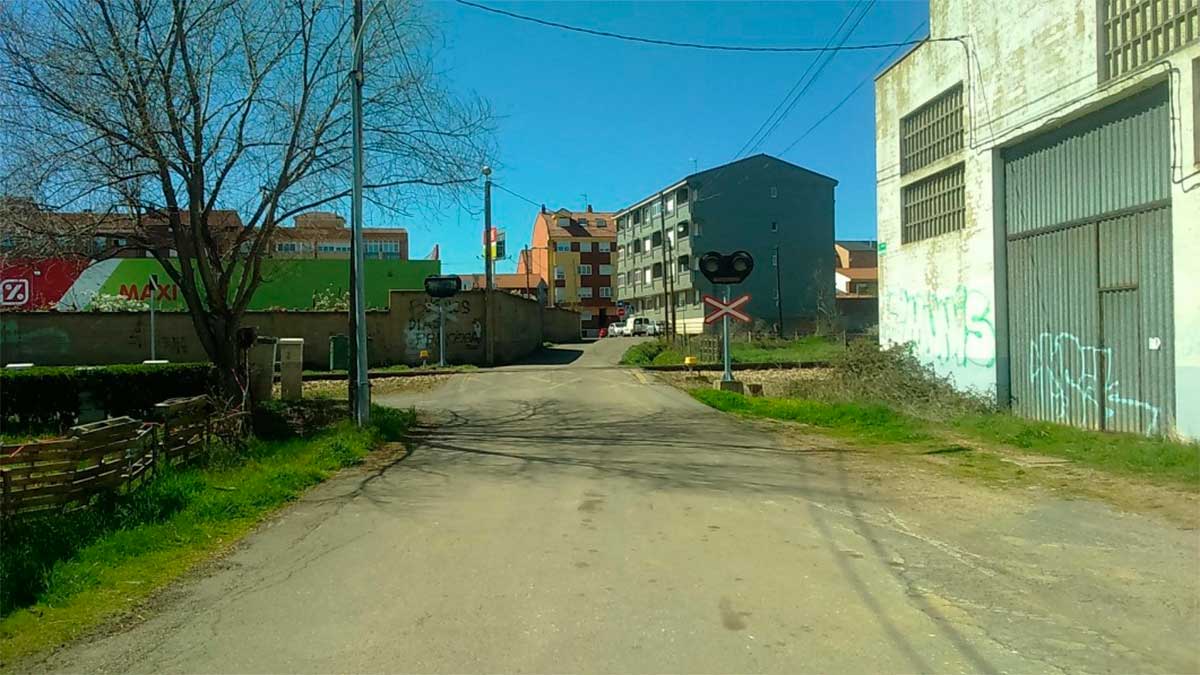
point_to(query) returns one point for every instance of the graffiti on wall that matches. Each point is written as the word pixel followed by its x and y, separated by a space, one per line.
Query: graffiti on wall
pixel 421 331
pixel 952 329
pixel 1067 376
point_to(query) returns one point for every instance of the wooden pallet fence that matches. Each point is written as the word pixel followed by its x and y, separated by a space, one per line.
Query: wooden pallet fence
pixel 111 455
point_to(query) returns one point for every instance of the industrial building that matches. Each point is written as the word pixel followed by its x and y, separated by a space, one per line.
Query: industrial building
pixel 1038 172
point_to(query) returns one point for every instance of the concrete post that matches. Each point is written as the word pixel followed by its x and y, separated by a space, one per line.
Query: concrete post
pixel 291 368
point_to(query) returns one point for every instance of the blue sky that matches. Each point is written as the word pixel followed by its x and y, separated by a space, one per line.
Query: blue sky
pixel 616 120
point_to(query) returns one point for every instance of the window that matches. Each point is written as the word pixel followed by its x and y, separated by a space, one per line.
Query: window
pixel 603 246
pixel 287 247
pixel 670 205
pixel 585 270
pixel 637 217
pixel 774 260
pixel 585 291
pixel 646 274
pixel 657 270
pixel 98 243
pixel 564 221
pixel 774 226
pixel 585 247
pixel 606 291
pixel 933 131
pixel 620 280
pixel 333 247
pixel 655 239
pixel 605 270
pixel 600 222
pixel 684 264
pixel 558 272
pixel 681 196
pixel 774 192
pixel 1136 33
pixel 585 315
pixel 646 245
pixel 636 246
pixel 697 229
pixel 562 246
pixel 681 230
pixel 583 222
pixel 933 206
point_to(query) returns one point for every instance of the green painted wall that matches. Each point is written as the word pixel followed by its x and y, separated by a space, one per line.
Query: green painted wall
pixel 287 284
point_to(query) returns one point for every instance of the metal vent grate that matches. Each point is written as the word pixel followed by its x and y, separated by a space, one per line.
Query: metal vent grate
pixel 933 131
pixel 934 206
pixel 1136 33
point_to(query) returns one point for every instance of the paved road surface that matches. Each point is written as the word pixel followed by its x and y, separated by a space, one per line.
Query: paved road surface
pixel 568 516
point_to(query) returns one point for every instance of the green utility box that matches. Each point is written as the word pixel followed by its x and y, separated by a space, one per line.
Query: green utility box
pixel 339 352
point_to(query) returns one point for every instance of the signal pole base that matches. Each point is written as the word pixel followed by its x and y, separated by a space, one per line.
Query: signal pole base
pixel 729 385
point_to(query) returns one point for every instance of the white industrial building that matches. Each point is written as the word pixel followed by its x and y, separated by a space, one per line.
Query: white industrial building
pixel 1038 173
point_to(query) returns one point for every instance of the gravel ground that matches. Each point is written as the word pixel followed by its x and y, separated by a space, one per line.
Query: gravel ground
pixel 776 382
pixel 379 385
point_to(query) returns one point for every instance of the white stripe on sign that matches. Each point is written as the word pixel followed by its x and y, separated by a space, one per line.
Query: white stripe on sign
pixel 721 308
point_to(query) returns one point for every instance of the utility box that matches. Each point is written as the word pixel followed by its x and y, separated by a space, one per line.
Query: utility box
pixel 261 362
pixel 339 352
pixel 291 368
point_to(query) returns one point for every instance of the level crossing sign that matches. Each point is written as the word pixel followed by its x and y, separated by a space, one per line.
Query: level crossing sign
pixel 718 308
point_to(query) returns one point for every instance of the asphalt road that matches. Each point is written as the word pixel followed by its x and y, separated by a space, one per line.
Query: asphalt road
pixel 567 516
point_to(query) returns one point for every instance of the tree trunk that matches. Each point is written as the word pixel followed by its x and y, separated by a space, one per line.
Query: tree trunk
pixel 218 336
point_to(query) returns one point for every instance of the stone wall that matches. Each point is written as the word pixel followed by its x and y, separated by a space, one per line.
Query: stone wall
pixel 394 336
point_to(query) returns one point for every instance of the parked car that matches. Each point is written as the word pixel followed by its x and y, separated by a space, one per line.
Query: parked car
pixel 653 328
pixel 616 329
pixel 640 325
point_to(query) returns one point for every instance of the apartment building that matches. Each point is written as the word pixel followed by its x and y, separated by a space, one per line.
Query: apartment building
pixel 325 235
pixel 857 268
pixel 1038 166
pixel 574 251
pixel 780 213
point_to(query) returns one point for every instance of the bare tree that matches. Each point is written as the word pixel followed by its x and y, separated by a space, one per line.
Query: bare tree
pixel 167 112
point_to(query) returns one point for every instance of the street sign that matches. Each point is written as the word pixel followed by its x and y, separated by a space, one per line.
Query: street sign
pixel 621 312
pixel 14 291
pixel 726 308
pixel 726 269
pixel 439 286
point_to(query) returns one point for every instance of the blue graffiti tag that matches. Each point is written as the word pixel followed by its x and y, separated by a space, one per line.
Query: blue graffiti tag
pixel 953 329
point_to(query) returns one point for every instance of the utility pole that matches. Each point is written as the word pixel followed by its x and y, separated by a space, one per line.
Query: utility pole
pixel 358 321
pixel 779 290
pixel 528 263
pixel 488 344
pixel 668 296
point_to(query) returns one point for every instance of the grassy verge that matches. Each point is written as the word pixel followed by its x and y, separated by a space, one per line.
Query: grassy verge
pixel 1157 460
pixel 808 349
pixel 65 574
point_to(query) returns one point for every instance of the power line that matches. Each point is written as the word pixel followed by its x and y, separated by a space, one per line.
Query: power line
pixel 853 91
pixel 783 101
pixel 518 196
pixel 690 45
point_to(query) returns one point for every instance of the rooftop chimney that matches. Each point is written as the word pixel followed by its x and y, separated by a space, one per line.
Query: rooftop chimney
pixel 543 208
pixel 589 208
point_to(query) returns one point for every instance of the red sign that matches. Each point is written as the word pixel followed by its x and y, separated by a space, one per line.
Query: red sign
pixel 621 312
pixel 722 308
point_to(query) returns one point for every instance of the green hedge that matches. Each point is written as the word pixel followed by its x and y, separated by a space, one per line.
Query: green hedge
pixel 51 397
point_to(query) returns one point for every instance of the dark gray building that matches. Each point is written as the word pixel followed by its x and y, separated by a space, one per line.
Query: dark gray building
pixel 782 214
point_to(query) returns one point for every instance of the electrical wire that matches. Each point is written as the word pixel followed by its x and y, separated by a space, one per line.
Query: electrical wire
pixel 786 97
pixel 820 68
pixel 689 45
pixel 517 195
pixel 870 76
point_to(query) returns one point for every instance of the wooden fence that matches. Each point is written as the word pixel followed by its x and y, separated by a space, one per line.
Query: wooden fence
pixel 111 455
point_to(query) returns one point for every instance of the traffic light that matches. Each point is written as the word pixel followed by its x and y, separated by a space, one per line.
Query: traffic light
pixel 726 269
pixel 442 286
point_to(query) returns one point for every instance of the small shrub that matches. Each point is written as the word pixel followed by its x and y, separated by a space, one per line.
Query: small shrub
pixel 278 420
pixel 643 354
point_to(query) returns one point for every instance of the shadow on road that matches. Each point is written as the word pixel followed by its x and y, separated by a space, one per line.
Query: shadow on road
pixel 552 356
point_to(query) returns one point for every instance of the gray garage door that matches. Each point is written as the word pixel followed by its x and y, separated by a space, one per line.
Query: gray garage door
pixel 1088 217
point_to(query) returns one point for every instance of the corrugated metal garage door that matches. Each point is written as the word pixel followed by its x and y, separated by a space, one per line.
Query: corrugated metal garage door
pixel 1088 219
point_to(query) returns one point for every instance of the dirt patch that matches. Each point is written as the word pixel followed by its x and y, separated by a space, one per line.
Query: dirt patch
pixel 775 382
pixel 379 385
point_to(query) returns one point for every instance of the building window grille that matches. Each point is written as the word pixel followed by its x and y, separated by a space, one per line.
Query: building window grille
pixel 933 206
pixel 933 131
pixel 1136 33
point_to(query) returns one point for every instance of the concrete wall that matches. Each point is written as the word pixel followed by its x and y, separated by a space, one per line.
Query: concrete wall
pixel 394 336
pixel 560 325
pixel 1033 67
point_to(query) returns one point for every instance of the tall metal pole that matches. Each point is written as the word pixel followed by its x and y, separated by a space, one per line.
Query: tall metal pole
pixel 667 299
pixel 362 398
pixel 442 332
pixel 728 376
pixel 779 290
pixel 488 345
pixel 153 345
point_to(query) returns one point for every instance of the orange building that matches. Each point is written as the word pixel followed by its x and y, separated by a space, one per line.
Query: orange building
pixel 575 253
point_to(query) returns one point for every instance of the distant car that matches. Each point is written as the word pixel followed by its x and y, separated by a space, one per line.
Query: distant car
pixel 640 325
pixel 616 329
pixel 653 328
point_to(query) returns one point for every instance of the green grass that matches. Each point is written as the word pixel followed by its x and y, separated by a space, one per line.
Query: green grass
pixel 1155 458
pixel 869 422
pixel 64 574
pixel 810 349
